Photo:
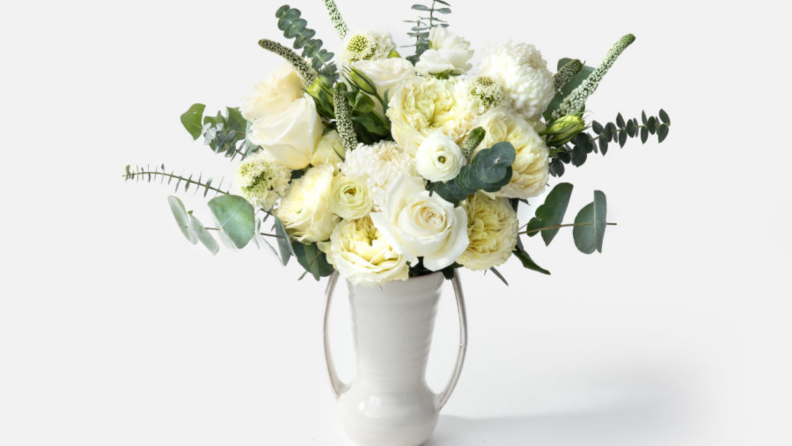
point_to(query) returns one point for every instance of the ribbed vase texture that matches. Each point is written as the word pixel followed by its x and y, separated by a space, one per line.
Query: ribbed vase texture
pixel 390 404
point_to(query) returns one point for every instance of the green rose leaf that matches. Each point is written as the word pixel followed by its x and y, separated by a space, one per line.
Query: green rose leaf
pixel 552 212
pixel 203 235
pixel 191 120
pixel 182 218
pixel 313 260
pixel 236 218
pixel 589 238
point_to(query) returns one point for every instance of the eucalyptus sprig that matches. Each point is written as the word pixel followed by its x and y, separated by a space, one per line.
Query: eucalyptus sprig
pixel 224 134
pixel 424 24
pixel 295 27
pixel 165 176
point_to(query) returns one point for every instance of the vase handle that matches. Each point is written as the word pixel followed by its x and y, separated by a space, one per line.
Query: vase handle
pixel 338 386
pixel 442 399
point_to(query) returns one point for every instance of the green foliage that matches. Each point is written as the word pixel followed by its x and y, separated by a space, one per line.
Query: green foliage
pixel 617 132
pixel 312 259
pixel 552 212
pixel 424 24
pixel 370 127
pixel 526 260
pixel 472 141
pixel 489 171
pixel 182 218
pixel 224 134
pixel 285 247
pixel 566 73
pixel 203 235
pixel 295 27
pixel 159 173
pixel 499 275
pixel 565 65
pixel 589 238
pixel 236 218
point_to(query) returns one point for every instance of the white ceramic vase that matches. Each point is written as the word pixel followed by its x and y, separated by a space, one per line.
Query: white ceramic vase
pixel 389 403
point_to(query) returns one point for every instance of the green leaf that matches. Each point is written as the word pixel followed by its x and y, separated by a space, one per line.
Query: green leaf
pixel 421 8
pixel 203 235
pixel 528 263
pixel 182 218
pixel 489 171
pixel 191 120
pixel 236 121
pixel 664 117
pixel 552 212
pixel 590 238
pixel 499 275
pixel 284 245
pixel 568 88
pixel 662 132
pixel 313 260
pixel 236 218
pixel 533 225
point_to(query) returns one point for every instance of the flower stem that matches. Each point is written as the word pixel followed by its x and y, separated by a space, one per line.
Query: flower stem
pixel 260 233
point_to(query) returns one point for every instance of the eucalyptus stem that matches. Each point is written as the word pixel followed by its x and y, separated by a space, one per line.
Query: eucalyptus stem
pixel 567 225
pixel 260 233
pixel 131 175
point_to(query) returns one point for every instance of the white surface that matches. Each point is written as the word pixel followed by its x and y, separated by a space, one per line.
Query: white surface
pixel 115 331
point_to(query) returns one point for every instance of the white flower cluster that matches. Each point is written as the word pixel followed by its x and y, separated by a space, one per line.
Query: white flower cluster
pixel 367 207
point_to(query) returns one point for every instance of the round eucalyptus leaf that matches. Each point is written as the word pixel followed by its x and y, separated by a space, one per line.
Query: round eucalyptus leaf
pixel 182 218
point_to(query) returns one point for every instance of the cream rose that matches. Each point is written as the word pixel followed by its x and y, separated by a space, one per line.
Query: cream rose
pixel 273 95
pixel 492 229
pixel 417 224
pixel 359 252
pixel 351 199
pixel 449 54
pixel 290 136
pixel 305 210
pixel 531 168
pixel 439 158
pixel 330 150
pixel 420 106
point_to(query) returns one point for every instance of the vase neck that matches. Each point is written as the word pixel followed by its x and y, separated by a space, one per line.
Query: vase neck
pixel 393 328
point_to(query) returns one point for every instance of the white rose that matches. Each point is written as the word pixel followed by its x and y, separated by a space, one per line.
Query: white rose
pixel 305 210
pixel 273 95
pixel 439 158
pixel 386 74
pixel 449 54
pixel 358 252
pixel 417 224
pixel 330 150
pixel 290 136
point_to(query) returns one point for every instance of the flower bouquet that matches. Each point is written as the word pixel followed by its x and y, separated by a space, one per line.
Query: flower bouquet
pixel 382 167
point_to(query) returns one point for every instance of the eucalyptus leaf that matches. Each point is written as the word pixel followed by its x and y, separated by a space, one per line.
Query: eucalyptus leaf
pixel 528 263
pixel 203 235
pixel 192 120
pixel 284 245
pixel 589 238
pixel 236 218
pixel 552 212
pixel 236 121
pixel 499 275
pixel 182 218
pixel 313 260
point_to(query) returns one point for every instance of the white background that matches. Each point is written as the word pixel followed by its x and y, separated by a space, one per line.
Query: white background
pixel 115 331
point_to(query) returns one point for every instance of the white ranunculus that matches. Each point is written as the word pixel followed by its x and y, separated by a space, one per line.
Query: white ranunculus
pixel 273 95
pixel 386 74
pixel 358 252
pixel 439 158
pixel 417 224
pixel 351 198
pixel 305 210
pixel 290 136
pixel 448 54
pixel 523 74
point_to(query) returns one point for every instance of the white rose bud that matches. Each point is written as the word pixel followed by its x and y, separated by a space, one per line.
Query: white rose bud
pixel 417 224
pixel 439 158
pixel 351 198
pixel 304 210
pixel 290 136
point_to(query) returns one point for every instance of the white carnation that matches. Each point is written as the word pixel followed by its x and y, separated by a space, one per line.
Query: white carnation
pixel 531 167
pixel 523 73
pixel 439 158
pixel 379 166
pixel 366 45
pixel 448 54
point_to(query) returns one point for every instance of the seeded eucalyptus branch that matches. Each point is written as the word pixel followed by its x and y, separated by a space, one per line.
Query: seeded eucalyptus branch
pixel 613 132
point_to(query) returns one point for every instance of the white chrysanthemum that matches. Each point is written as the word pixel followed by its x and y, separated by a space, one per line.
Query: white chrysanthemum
pixel 492 229
pixel 262 180
pixel 532 166
pixel 366 45
pixel 420 106
pixel 523 73
pixel 379 166
pixel 361 255
pixel 448 55
pixel 483 93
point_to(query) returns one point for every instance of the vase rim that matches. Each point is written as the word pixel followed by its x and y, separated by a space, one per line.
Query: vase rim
pixel 435 279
